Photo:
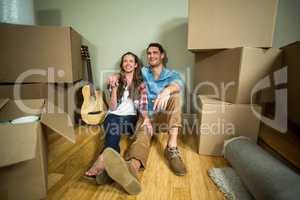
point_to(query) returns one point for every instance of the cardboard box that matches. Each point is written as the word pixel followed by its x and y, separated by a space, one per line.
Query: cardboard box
pixel 23 148
pixel 219 24
pixel 40 54
pixel 27 90
pixel 220 121
pixel 231 75
pixel 291 60
pixel 65 96
pixel 285 145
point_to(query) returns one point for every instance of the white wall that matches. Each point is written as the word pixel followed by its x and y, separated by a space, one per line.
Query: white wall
pixel 114 27
pixel 287 28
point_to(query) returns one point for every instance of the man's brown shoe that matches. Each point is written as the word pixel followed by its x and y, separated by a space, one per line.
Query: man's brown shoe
pixel 121 171
pixel 175 161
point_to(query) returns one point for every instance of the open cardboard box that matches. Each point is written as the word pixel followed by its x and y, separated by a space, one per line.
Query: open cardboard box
pixel 291 60
pixel 66 96
pixel 221 120
pixel 23 147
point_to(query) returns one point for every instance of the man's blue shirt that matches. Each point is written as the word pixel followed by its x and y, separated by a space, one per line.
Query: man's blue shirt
pixel 154 87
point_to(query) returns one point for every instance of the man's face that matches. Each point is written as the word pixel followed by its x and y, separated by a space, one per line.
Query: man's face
pixel 155 57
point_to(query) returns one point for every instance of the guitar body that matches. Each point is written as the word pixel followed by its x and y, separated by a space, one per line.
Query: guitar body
pixel 93 109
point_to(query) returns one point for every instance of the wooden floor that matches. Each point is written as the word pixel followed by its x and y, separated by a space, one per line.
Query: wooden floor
pixel 67 163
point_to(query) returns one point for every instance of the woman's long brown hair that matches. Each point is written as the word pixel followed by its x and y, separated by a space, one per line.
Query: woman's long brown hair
pixel 137 79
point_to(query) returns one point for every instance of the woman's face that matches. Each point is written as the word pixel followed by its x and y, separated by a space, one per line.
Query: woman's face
pixel 129 63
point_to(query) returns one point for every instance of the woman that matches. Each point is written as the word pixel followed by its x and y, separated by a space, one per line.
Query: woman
pixel 127 97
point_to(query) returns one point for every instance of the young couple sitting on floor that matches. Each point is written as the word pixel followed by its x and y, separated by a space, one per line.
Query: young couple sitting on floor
pixel 140 99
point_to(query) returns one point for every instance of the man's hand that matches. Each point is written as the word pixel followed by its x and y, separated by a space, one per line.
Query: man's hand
pixel 161 101
pixel 147 124
pixel 113 80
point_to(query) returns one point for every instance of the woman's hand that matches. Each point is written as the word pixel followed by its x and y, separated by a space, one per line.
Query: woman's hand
pixel 113 80
pixel 147 123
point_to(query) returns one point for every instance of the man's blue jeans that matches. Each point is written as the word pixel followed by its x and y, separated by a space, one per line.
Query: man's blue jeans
pixel 116 125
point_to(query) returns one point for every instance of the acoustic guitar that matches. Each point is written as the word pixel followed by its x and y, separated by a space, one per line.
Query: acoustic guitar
pixel 93 109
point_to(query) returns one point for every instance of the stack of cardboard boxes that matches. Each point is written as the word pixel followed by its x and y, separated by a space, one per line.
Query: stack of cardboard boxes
pixel 232 42
pixel 41 62
pixel 41 69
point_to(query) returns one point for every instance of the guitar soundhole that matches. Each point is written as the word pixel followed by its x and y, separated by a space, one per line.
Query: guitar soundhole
pixel 94 113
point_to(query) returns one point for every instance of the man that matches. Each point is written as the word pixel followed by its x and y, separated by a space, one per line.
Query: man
pixel 163 86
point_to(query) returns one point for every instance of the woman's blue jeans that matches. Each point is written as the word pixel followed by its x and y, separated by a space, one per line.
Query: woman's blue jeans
pixel 116 125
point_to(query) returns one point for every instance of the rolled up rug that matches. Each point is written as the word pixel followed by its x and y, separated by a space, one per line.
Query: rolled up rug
pixel 264 176
pixel 229 183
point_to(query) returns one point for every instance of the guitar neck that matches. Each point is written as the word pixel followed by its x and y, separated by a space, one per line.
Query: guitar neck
pixel 90 77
